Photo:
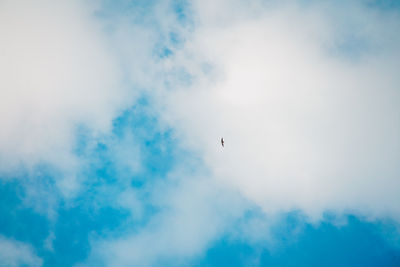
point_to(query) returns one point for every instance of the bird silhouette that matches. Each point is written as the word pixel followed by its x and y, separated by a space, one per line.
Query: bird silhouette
pixel 222 142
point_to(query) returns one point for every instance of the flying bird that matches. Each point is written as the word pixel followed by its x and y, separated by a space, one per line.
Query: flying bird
pixel 222 142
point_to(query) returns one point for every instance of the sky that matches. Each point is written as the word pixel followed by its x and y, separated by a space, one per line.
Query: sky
pixel 111 115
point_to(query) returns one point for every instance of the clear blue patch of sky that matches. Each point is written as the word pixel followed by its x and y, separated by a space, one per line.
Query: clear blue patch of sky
pixel 384 4
pixel 158 147
pixel 74 226
pixel 356 243
pixel 18 221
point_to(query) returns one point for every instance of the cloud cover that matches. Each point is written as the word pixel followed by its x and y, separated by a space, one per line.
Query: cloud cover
pixel 306 98
pixel 307 106
pixel 306 101
pixel 58 74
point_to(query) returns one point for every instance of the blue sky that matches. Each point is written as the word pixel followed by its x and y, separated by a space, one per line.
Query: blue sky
pixel 112 111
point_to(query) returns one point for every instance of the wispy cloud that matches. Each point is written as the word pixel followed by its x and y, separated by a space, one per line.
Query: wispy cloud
pixel 14 253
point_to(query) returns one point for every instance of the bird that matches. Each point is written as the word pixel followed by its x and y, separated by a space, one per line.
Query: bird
pixel 222 142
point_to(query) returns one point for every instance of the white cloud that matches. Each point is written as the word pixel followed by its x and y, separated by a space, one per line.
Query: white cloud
pixel 57 74
pixel 309 123
pixel 305 126
pixel 14 253
pixel 192 212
